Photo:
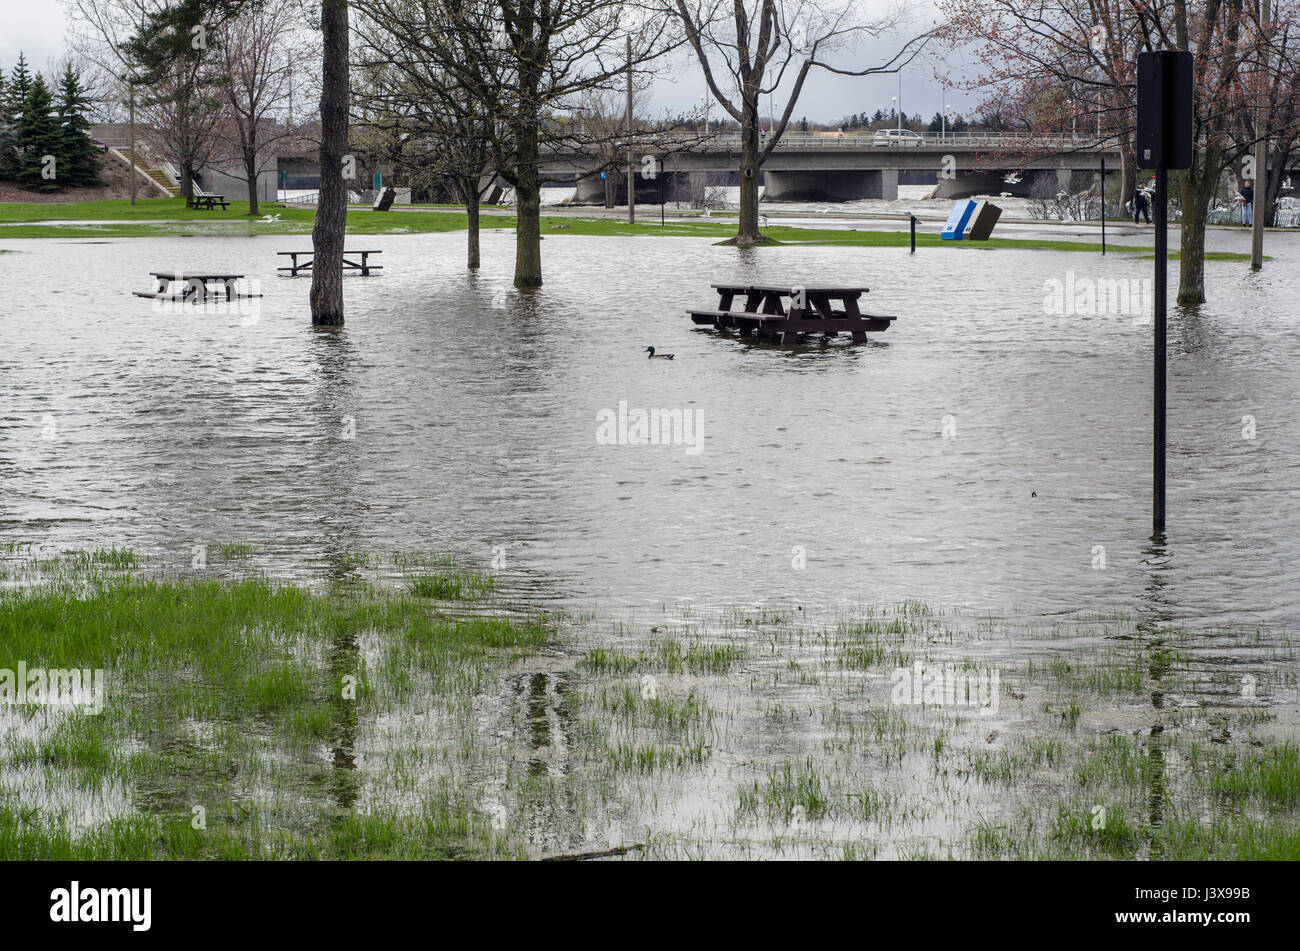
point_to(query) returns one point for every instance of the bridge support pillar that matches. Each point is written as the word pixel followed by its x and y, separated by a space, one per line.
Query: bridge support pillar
pixel 889 184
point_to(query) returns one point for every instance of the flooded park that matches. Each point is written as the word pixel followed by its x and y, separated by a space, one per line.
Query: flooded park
pixel 718 647
pixel 444 439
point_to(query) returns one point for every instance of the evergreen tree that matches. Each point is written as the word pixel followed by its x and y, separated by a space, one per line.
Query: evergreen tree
pixel 12 104
pixel 79 163
pixel 38 138
pixel 7 160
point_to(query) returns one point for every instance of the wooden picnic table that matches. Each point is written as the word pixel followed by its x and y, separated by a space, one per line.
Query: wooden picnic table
pixel 193 285
pixel 364 265
pixel 811 310
pixel 209 202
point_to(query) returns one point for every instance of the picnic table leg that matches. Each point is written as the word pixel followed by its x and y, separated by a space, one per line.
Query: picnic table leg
pixel 163 284
pixel 851 310
pixel 230 288
pixel 194 290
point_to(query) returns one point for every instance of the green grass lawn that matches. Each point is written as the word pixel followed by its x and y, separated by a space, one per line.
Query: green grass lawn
pixel 164 217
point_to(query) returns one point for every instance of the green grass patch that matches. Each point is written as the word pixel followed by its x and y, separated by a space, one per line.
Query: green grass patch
pixel 241 702
pixel 161 217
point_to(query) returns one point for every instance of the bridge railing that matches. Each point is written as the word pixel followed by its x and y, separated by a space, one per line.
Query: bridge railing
pixel 818 141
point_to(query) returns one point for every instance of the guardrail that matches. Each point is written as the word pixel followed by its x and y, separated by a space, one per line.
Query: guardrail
pixel 869 140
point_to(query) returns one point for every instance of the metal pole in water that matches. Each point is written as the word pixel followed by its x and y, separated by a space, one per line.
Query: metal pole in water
pixel 1162 266
pixel 1103 204
pixel 631 176
pixel 131 89
pixel 1261 156
pixel 913 217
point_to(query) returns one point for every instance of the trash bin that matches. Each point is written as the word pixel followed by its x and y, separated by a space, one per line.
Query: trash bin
pixel 955 226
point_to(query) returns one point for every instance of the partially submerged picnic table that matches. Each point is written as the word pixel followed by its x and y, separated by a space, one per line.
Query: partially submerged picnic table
pixel 193 285
pixel 364 265
pixel 811 310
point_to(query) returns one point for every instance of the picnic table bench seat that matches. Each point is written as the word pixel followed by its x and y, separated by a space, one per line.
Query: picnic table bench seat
pixel 193 285
pixel 364 265
pixel 788 310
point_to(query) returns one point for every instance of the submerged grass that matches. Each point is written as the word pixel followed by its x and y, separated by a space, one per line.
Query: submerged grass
pixel 400 710
pixel 230 706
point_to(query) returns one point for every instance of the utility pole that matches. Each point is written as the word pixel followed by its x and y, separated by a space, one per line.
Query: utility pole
pixel 631 176
pixel 130 86
pixel 900 99
pixel 1261 152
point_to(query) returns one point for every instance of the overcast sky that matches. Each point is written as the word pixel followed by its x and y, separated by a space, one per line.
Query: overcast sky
pixel 37 27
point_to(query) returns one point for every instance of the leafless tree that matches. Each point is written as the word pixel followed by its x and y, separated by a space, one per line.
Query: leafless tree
pixel 525 62
pixel 262 55
pixel 180 109
pixel 748 48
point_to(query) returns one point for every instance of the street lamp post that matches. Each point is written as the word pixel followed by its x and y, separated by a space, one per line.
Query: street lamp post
pixel 900 99
pixel 130 85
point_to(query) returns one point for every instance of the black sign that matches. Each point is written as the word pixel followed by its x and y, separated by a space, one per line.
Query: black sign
pixel 1164 113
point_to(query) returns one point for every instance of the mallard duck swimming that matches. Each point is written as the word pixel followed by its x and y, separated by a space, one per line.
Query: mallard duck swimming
pixel 661 356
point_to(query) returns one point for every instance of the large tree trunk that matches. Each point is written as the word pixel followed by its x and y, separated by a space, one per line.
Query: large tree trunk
pixel 468 189
pixel 250 173
pixel 187 179
pixel 528 209
pixel 332 211
pixel 747 232
pixel 1197 186
pixel 1128 162
pixel 250 165
pixel 1275 173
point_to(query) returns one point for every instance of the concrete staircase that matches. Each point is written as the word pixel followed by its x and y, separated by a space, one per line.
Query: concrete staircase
pixel 144 164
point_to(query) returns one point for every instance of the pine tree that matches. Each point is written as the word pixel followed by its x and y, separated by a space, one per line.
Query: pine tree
pixel 6 159
pixel 38 139
pixel 11 110
pixel 79 163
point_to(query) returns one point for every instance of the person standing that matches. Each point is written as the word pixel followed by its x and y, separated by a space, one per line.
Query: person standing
pixel 1247 204
pixel 1141 206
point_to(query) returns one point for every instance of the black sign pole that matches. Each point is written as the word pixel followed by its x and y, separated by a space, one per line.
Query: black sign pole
pixel 1162 267
pixel 1164 141
pixel 661 192
pixel 1103 204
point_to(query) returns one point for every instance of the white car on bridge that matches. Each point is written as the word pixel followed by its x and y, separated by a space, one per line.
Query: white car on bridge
pixel 897 137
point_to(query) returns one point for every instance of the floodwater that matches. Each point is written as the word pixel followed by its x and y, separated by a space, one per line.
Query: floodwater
pixel 476 425
pixel 988 456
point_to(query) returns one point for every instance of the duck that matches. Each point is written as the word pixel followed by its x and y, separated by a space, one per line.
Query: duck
pixel 661 356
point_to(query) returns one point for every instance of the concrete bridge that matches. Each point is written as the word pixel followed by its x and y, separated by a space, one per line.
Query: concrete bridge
pixel 835 167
